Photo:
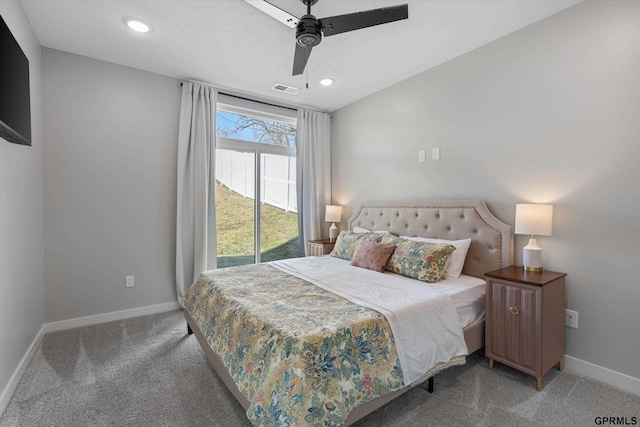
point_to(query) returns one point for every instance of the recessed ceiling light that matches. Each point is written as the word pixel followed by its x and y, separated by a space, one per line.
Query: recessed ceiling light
pixel 138 26
pixel 326 82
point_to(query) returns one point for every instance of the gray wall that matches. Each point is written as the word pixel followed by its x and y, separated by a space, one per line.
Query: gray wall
pixel 110 168
pixel 21 218
pixel 549 114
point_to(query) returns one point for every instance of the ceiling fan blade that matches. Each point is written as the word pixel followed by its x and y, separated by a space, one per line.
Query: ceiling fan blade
pixel 275 12
pixel 300 59
pixel 355 21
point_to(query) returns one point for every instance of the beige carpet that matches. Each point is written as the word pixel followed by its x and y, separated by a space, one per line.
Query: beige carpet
pixel 148 372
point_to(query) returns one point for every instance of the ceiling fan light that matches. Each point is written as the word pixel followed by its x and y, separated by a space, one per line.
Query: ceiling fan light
pixel 308 31
pixel 308 40
pixel 326 81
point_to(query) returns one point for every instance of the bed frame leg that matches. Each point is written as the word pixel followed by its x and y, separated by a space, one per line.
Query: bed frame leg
pixel 430 385
pixel 189 331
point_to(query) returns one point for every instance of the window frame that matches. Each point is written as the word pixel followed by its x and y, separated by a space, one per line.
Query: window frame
pixel 270 112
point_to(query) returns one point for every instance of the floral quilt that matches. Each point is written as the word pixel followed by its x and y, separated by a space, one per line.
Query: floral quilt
pixel 301 355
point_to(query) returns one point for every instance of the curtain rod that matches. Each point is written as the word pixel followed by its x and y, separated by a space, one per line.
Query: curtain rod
pixel 254 100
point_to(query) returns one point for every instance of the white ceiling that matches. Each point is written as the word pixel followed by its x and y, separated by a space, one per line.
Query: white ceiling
pixel 233 46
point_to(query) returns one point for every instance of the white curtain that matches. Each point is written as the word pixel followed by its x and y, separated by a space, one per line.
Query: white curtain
pixel 313 159
pixel 196 220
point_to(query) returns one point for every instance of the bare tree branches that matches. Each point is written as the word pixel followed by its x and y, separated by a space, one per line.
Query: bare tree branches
pixel 258 130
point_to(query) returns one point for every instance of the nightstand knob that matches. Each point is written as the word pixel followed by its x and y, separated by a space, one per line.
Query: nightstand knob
pixel 514 310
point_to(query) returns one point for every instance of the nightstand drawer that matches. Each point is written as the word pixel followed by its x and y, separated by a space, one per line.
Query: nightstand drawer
pixel 320 247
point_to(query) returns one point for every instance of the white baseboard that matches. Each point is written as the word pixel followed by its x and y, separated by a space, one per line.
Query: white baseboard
pixel 8 391
pixel 605 375
pixel 109 317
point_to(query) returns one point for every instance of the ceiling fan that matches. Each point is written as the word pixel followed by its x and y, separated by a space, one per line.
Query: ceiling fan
pixel 309 29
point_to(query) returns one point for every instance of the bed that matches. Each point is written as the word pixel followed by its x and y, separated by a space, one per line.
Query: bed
pixel 291 371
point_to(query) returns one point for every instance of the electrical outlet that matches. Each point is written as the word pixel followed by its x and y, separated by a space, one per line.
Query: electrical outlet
pixel 571 319
pixel 128 283
pixel 422 156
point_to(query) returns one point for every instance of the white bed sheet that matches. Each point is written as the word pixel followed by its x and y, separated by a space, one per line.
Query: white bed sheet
pixel 466 292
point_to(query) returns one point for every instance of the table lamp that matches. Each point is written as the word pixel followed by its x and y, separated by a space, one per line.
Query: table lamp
pixel 533 219
pixel 333 214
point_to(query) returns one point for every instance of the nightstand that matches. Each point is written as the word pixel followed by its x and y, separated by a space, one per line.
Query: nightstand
pixel 320 247
pixel 524 325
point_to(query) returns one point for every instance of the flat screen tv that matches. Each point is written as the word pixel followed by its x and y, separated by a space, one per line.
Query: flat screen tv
pixel 15 106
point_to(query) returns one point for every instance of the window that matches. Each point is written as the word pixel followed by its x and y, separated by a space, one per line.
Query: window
pixel 256 204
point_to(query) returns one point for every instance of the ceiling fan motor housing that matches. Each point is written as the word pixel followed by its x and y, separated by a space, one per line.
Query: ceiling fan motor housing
pixel 308 31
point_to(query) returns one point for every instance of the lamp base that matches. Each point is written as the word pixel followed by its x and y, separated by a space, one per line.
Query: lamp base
pixel 333 232
pixel 532 256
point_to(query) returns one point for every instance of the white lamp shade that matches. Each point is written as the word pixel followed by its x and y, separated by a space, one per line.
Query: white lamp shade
pixel 333 213
pixel 534 219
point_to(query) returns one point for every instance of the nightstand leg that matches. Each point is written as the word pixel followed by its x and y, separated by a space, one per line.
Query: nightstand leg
pixel 560 366
pixel 539 383
pixel 490 363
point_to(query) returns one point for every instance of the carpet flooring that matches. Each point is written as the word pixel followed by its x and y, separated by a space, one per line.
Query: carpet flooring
pixel 147 371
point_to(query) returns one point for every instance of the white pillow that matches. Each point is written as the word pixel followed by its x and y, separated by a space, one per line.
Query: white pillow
pixel 357 229
pixel 454 265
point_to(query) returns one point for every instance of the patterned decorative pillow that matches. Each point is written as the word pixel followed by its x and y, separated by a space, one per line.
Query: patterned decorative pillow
pixel 372 256
pixel 419 260
pixel 347 241
pixel 456 260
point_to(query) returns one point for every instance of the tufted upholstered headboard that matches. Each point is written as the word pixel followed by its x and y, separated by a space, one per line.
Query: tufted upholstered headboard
pixel 491 239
